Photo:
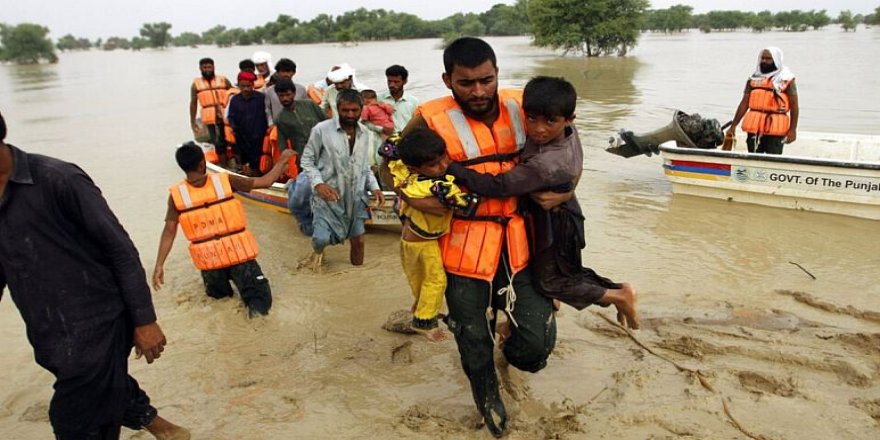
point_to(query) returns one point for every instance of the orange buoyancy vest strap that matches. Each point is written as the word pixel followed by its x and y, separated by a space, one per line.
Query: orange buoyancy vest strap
pixel 214 222
pixel 473 246
pixel 768 109
pixel 212 97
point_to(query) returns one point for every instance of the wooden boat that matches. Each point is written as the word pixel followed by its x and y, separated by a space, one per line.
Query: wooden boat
pixel 822 172
pixel 275 197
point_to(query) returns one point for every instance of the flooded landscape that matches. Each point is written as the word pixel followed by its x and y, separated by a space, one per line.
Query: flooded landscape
pixel 736 339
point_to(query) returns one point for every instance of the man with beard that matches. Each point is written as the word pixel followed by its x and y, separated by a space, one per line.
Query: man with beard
pixel 294 123
pixel 247 117
pixel 486 256
pixel 769 97
pixel 77 280
pixel 285 69
pixel 404 103
pixel 336 160
pixel 209 93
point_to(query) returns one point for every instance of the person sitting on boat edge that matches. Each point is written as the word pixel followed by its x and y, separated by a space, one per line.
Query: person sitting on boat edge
pixel 336 160
pixel 223 250
pixel 770 95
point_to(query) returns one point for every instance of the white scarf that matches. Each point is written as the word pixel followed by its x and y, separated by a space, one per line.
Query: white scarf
pixel 778 77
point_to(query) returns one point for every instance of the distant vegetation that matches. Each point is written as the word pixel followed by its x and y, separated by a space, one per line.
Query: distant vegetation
pixel 586 27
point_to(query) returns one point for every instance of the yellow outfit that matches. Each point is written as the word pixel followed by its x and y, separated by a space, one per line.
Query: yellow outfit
pixel 421 260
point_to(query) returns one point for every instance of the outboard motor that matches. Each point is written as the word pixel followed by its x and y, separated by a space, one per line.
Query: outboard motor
pixel 688 131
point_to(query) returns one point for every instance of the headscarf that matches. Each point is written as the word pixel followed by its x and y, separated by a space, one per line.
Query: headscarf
pixel 779 76
pixel 342 72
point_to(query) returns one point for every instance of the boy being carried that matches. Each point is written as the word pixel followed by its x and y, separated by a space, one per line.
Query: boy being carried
pixel 378 113
pixel 552 160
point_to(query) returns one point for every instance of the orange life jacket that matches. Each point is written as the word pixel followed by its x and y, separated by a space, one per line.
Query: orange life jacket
pixel 214 223
pixel 316 94
pixel 472 248
pixel 271 152
pixel 212 97
pixel 210 153
pixel 768 109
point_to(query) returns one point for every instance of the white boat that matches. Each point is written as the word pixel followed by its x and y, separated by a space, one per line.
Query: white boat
pixel 822 172
pixel 275 197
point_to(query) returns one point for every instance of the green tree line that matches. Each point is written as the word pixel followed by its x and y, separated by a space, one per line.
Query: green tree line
pixel 586 27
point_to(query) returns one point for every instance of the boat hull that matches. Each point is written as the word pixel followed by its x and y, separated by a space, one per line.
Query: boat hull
pixel 837 185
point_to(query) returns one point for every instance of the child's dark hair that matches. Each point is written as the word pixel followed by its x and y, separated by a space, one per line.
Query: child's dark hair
pixel 368 94
pixel 549 97
pixel 420 146
pixel 189 156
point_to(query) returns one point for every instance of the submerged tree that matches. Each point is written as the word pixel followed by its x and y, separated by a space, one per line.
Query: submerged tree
pixel 846 21
pixel 69 42
pixel 155 34
pixel 26 43
pixel 588 27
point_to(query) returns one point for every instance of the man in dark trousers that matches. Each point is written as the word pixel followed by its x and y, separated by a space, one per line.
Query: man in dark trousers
pixel 77 280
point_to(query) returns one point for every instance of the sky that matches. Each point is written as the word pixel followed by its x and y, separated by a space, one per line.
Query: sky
pixel 123 18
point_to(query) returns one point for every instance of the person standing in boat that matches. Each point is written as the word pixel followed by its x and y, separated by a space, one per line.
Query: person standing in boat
pixel 247 117
pixel 77 280
pixel 341 77
pixel 294 124
pixel 209 95
pixel 769 104
pixel 285 69
pixel 403 102
pixel 336 161
pixel 224 250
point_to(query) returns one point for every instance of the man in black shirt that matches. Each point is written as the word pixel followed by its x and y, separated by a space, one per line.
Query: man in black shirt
pixel 77 280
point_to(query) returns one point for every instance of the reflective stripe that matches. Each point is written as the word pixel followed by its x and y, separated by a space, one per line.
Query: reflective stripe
pixel 465 135
pixel 184 195
pixel 516 121
pixel 218 186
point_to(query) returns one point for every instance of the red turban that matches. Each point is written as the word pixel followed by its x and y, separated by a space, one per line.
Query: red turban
pixel 246 76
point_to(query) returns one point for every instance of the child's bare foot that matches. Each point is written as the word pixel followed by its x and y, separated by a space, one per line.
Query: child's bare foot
pixel 164 430
pixel 433 335
pixel 624 299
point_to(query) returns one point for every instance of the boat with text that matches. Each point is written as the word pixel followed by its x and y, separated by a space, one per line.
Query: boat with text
pixel 821 172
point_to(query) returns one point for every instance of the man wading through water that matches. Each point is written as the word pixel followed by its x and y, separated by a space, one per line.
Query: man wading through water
pixel 486 256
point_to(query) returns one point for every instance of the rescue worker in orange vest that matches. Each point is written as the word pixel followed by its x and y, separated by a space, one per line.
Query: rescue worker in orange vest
pixel 213 221
pixel 209 94
pixel 771 100
pixel 486 256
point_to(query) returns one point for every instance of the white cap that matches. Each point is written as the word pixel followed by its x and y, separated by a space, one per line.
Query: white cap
pixel 261 57
pixel 341 74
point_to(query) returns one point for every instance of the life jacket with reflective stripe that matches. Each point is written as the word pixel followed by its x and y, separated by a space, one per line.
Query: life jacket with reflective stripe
pixel 768 109
pixel 316 94
pixel 214 223
pixel 212 98
pixel 473 246
pixel 271 152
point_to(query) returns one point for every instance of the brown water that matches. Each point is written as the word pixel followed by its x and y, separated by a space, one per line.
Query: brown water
pixel 319 366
